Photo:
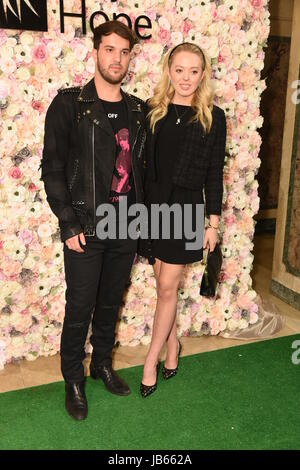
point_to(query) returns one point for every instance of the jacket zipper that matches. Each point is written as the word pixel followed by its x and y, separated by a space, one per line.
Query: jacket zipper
pixel 94 190
pixel 134 143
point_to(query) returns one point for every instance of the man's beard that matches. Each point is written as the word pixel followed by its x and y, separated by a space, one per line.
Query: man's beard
pixel 110 79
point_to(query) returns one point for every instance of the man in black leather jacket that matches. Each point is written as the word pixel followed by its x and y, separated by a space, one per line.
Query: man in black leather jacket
pixel 93 154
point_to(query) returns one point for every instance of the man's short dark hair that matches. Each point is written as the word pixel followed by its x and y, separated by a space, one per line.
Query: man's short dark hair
pixel 117 27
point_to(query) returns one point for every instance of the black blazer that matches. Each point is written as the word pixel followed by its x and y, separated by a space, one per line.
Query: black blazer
pixel 200 160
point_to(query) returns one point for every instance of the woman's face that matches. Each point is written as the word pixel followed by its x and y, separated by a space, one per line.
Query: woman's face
pixel 185 74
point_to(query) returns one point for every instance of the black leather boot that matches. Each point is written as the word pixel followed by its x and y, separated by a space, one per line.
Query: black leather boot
pixel 112 381
pixel 76 402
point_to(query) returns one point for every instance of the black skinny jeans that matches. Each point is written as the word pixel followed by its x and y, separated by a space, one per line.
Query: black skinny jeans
pixel 95 279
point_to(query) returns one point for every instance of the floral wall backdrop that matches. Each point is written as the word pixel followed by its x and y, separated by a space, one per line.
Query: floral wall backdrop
pixel 33 66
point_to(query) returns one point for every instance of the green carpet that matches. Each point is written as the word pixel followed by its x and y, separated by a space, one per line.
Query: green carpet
pixel 243 397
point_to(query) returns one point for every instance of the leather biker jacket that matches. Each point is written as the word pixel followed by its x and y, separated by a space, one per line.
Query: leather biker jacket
pixel 68 163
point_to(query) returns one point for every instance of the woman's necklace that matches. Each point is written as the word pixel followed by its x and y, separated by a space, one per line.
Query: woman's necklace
pixel 179 117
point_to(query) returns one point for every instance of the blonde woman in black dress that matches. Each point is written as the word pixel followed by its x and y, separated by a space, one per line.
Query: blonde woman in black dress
pixel 186 150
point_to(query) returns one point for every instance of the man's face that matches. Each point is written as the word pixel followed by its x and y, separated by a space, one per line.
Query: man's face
pixel 112 58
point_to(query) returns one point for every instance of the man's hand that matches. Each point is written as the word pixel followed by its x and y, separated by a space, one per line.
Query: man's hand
pixel 73 242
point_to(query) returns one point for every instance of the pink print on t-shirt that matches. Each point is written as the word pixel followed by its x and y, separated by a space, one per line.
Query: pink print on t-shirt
pixel 120 183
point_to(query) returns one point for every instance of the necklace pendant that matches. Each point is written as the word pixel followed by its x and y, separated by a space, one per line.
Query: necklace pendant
pixel 178 121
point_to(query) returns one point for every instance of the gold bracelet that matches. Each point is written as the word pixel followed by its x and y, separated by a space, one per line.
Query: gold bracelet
pixel 210 226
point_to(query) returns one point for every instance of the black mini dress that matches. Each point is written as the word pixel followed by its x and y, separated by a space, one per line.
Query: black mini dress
pixel 172 250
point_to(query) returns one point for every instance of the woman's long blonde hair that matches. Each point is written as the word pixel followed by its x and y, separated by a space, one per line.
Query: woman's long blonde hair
pixel 164 91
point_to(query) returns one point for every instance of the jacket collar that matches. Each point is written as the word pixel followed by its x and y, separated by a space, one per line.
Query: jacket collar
pixel 89 94
pixel 97 114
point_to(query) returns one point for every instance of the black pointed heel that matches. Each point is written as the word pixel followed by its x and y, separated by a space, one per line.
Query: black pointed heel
pixel 168 373
pixel 147 390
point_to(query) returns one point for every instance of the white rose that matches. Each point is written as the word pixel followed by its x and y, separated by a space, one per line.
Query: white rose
pixel 232 324
pixel 44 230
pixel 145 340
pixel 79 67
pixel 11 42
pixel 23 74
pixel 195 14
pixel 12 110
pixel 31 357
pixel 29 262
pixel 236 62
pixel 54 49
pixel 70 58
pixel 240 200
pixel 8 65
pixel 176 38
pixel 17 341
pixel 164 23
pixel 243 324
pixel 90 65
pixel 26 39
pixel 251 294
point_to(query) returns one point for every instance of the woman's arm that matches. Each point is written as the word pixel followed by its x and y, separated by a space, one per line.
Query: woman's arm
pixel 214 180
pixel 214 221
pixel 214 185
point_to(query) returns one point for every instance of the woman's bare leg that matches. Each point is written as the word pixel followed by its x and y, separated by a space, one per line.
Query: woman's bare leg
pixel 167 283
pixel 171 360
pixel 156 269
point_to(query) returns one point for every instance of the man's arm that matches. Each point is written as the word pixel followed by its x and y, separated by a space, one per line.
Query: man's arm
pixel 55 153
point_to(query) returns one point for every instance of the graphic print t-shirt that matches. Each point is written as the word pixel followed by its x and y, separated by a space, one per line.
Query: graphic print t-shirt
pixel 122 184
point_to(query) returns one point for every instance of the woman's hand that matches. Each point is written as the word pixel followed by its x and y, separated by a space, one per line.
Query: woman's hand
pixel 210 238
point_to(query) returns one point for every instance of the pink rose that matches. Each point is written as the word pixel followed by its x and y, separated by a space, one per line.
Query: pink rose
pixel 230 220
pixel 244 302
pixel 229 92
pixel 26 236
pixel 255 139
pixel 214 12
pixel 195 308
pixel 257 3
pixel 223 276
pixel 32 187
pixel 39 53
pixel 3 37
pixel 15 172
pixel 164 35
pixel 187 25
pixel 232 268
pixel 126 334
pixel 11 268
pixel 247 76
pixel 230 201
pixel 222 12
pixel 3 90
pixel 77 79
pixel 44 310
pixel 253 318
pixel 242 108
pixel 236 315
pixel 37 105
pixel 254 308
